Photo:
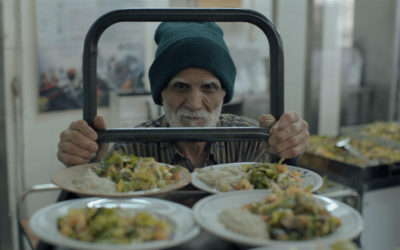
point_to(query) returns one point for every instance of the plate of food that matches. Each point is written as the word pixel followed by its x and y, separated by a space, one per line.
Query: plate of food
pixel 253 175
pixel 104 223
pixel 121 175
pixel 283 218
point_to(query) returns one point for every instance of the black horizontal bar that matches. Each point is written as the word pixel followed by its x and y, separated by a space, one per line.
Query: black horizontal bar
pixel 178 15
pixel 192 134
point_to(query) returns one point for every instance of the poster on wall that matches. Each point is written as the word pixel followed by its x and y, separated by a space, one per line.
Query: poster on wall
pixel 61 29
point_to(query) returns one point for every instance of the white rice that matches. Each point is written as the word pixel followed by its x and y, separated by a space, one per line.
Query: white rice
pixel 242 221
pixel 222 179
pixel 91 182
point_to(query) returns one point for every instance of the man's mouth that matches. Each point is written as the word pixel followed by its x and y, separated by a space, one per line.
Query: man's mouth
pixel 193 118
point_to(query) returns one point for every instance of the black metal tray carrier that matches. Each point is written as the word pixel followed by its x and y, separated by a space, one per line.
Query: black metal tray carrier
pixel 181 15
pixel 180 134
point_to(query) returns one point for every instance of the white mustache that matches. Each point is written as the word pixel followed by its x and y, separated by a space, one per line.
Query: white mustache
pixel 175 118
pixel 202 114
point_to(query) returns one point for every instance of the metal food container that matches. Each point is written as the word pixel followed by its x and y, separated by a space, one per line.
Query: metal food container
pixel 361 178
pixel 386 133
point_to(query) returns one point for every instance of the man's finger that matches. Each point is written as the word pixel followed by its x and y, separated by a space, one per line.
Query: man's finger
pixel 278 137
pixel 77 138
pixel 294 151
pixel 289 143
pixel 266 120
pixel 285 120
pixel 70 159
pixel 84 129
pixel 70 148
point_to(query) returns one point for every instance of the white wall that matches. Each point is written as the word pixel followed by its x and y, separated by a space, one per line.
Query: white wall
pixel 332 39
pixel 291 23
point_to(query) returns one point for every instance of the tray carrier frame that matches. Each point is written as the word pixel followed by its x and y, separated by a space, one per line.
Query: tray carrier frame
pixel 182 15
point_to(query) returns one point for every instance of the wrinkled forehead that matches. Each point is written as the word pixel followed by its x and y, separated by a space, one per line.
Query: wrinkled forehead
pixel 195 76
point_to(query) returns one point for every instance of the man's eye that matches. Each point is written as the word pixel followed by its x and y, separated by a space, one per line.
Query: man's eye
pixel 180 85
pixel 209 86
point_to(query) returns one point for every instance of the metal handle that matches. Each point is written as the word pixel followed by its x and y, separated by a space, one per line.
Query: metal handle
pixel 181 15
pixel 184 134
pixel 358 154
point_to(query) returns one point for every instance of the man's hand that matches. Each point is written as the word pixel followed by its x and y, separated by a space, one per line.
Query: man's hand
pixel 78 144
pixel 288 136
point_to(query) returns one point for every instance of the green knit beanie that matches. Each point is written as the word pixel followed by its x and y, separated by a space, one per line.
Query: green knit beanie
pixel 183 45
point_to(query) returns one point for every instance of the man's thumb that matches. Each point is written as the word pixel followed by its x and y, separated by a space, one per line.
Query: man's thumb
pixel 99 123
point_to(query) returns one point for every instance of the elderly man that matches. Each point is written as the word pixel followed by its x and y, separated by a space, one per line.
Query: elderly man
pixel 192 76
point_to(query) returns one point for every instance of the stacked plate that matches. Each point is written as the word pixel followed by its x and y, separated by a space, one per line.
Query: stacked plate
pixel 44 222
pixel 186 222
pixel 310 179
pixel 207 211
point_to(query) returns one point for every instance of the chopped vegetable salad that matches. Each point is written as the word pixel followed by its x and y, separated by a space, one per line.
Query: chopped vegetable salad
pixel 132 173
pixel 112 225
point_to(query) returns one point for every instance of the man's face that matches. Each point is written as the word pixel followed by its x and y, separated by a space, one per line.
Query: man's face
pixel 193 98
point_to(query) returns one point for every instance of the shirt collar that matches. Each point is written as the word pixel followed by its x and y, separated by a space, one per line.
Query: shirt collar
pixel 216 148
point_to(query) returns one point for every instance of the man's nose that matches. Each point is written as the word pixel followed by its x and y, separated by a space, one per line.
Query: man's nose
pixel 194 101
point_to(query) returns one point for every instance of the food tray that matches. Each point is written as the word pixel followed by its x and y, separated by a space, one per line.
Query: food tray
pixel 359 178
pixel 357 132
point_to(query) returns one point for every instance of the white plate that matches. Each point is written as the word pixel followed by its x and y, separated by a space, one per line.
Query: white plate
pixel 309 177
pixel 206 213
pixel 44 222
pixel 66 176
